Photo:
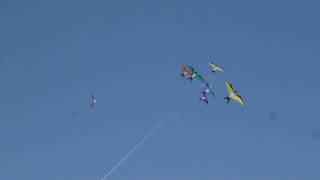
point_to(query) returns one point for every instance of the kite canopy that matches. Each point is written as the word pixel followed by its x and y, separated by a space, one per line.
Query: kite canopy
pixel 215 67
pixel 185 71
pixel 232 94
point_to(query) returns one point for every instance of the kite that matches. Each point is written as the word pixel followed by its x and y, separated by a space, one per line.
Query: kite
pixel 215 67
pixel 232 94
pixel 93 101
pixel 189 71
pixel 192 71
pixel 185 72
pixel 204 98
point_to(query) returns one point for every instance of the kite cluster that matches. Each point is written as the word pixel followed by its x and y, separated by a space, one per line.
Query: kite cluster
pixel 190 73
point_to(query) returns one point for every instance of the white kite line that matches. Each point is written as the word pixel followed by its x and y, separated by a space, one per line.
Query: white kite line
pixel 135 148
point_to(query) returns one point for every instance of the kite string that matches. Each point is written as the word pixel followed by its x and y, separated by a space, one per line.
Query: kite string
pixel 122 160
pixel 211 78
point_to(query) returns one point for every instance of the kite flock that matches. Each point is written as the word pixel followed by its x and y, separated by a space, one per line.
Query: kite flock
pixel 190 73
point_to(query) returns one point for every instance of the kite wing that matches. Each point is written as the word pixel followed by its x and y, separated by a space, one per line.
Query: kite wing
pixel 219 68
pixel 190 69
pixel 183 68
pixel 238 98
pixel 229 88
pixel 200 78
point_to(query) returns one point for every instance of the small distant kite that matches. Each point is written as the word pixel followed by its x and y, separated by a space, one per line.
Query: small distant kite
pixel 191 71
pixel 232 94
pixel 93 101
pixel 204 98
pixel 185 72
pixel 215 67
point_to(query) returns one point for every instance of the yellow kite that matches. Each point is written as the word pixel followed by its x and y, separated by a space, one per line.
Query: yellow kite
pixel 232 94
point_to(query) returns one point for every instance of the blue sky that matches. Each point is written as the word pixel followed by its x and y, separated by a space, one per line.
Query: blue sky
pixel 54 54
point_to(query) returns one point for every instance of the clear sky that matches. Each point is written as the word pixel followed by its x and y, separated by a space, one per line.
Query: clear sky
pixel 54 54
